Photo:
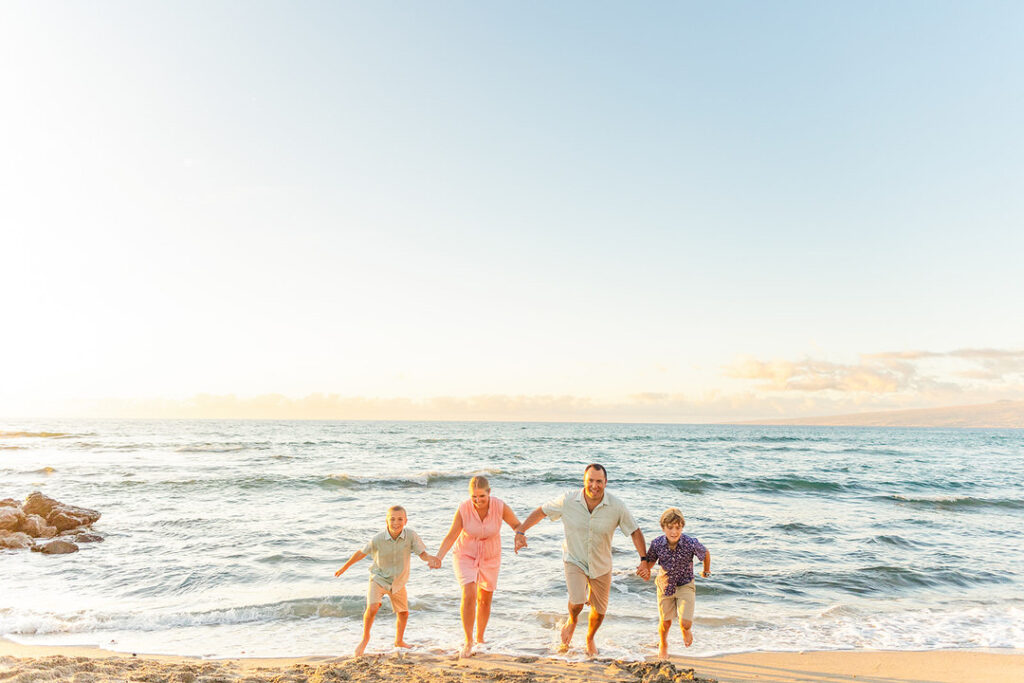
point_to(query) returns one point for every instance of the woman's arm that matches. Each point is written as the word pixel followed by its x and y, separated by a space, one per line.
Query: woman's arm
pixel 510 517
pixel 453 533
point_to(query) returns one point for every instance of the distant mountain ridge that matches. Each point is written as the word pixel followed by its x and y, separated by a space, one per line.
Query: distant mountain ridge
pixel 1002 414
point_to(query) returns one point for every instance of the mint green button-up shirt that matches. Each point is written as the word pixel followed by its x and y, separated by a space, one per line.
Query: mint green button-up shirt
pixel 391 557
pixel 588 535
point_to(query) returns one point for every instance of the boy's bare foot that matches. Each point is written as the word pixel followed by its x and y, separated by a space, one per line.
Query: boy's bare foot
pixel 467 651
pixel 687 637
pixel 663 651
pixel 591 648
pixel 402 643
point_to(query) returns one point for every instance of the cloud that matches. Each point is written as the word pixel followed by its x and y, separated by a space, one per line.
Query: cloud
pixel 914 372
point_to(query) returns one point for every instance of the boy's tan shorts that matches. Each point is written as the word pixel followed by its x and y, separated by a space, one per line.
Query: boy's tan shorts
pixel 678 604
pixel 578 583
pixel 376 592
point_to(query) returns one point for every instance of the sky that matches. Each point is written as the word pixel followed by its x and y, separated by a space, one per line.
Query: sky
pixel 671 211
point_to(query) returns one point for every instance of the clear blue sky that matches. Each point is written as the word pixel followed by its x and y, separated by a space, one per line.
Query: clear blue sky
pixel 598 200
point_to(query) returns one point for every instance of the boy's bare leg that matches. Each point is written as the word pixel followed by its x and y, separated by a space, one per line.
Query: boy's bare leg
pixel 468 612
pixel 593 624
pixel 687 634
pixel 663 628
pixel 401 619
pixel 368 617
pixel 483 612
pixel 570 626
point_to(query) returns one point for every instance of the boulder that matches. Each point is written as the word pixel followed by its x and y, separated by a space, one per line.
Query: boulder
pixel 11 519
pixel 58 547
pixel 15 539
pixel 38 504
pixel 36 526
pixel 88 538
pixel 9 503
pixel 69 517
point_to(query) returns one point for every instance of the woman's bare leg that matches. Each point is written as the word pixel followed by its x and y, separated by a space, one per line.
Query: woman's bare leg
pixel 468 612
pixel 483 612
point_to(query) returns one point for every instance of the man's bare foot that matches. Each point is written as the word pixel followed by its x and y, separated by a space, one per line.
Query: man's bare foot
pixel 567 631
pixel 663 651
pixel 466 651
pixel 360 648
pixel 402 643
pixel 591 648
pixel 687 637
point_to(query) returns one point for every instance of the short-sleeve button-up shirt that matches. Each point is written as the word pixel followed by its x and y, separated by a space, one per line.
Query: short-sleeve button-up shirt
pixel 391 557
pixel 677 564
pixel 588 535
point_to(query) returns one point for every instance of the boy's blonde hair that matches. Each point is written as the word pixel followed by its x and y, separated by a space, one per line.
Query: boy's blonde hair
pixel 479 482
pixel 397 508
pixel 672 516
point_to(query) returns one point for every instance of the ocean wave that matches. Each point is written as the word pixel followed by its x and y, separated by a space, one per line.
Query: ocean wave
pixel 36 435
pixel 219 447
pixel 955 502
pixel 887 579
pixel 425 478
pixel 38 623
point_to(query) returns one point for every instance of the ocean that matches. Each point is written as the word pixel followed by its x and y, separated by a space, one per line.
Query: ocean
pixel 222 537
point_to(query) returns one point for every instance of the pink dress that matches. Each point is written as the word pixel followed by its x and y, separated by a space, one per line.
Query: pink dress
pixel 477 550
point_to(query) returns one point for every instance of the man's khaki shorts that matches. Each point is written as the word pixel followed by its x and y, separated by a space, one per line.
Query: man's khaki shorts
pixel 583 589
pixel 678 604
pixel 376 592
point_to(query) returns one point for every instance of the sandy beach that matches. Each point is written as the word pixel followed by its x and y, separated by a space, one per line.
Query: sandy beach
pixel 23 663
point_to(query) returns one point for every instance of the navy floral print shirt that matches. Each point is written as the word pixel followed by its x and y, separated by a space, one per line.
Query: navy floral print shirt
pixel 677 565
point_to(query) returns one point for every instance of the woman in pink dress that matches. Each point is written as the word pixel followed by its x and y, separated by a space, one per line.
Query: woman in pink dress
pixel 476 534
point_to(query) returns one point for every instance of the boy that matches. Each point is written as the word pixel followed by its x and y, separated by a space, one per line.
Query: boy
pixel 676 591
pixel 389 573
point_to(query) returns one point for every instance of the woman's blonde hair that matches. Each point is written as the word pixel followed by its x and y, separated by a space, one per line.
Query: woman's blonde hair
pixel 672 516
pixel 479 482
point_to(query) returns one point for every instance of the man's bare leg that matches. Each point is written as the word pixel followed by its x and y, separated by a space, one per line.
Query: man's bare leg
pixel 401 619
pixel 593 624
pixel 570 626
pixel 368 617
pixel 686 625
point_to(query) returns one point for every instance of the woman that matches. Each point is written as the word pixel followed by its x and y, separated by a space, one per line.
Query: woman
pixel 476 533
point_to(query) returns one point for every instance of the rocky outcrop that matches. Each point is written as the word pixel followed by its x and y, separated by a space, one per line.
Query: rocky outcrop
pixel 41 517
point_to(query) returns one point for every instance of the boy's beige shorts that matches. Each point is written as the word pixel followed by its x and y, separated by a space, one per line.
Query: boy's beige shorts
pixel 376 592
pixel 678 604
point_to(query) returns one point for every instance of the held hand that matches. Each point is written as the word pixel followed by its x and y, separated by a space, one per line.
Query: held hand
pixel 643 572
pixel 520 542
pixel 434 562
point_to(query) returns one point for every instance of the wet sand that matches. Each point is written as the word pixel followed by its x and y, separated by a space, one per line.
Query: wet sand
pixel 21 664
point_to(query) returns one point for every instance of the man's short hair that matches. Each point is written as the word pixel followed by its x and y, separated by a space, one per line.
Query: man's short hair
pixel 672 516
pixel 397 508
pixel 595 466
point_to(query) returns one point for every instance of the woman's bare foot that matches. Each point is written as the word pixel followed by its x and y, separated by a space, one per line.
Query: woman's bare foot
pixel 466 651
pixel 402 643
pixel 480 640
pixel 687 637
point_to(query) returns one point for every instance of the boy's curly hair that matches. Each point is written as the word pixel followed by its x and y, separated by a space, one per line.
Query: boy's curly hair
pixel 672 516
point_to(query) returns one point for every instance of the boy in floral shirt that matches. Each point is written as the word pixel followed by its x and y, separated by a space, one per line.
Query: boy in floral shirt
pixel 677 593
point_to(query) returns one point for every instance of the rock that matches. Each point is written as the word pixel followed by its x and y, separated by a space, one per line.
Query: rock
pixel 34 525
pixel 15 539
pixel 9 503
pixel 88 538
pixel 11 519
pixel 38 504
pixel 57 547
pixel 68 517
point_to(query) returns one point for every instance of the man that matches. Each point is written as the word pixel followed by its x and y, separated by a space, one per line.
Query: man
pixel 590 517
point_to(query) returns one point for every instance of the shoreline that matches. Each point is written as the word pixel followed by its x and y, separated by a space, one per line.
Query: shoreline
pixel 54 662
